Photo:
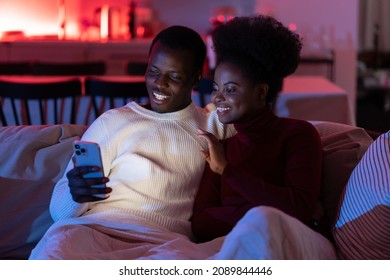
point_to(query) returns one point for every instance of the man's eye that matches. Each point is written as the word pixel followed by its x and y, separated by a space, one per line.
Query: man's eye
pixel 176 77
pixel 153 71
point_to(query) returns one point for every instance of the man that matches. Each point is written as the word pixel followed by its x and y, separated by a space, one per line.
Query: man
pixel 151 161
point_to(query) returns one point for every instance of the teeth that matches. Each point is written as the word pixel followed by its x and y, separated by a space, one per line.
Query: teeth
pixel 159 96
pixel 222 109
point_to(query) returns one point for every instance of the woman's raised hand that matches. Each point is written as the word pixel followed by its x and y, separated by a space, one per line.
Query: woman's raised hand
pixel 215 155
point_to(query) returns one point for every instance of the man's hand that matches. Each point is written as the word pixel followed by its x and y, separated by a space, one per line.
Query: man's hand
pixel 82 189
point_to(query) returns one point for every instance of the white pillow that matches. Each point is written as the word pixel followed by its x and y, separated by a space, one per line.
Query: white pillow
pixel 32 159
pixel 362 230
pixel 343 147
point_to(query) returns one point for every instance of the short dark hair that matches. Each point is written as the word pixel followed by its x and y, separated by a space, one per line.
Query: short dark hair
pixel 178 37
pixel 262 47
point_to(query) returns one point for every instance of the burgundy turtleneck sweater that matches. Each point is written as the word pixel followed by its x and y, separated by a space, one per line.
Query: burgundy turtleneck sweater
pixel 272 161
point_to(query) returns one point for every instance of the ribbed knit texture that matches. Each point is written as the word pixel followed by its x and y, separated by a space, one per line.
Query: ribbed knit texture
pixel 153 161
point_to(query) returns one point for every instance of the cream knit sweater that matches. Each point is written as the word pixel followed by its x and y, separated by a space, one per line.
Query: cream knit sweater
pixel 153 162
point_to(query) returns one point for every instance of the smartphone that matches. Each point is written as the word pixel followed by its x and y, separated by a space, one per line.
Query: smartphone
pixel 88 153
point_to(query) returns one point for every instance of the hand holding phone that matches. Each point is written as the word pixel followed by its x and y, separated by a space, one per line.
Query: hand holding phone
pixel 87 155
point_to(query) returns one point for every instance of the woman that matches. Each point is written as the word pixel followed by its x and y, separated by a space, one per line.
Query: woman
pixel 271 161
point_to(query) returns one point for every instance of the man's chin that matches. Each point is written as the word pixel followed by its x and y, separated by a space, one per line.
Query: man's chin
pixel 158 107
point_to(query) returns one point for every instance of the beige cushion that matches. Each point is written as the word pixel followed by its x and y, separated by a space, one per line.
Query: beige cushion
pixel 32 159
pixel 362 230
pixel 343 147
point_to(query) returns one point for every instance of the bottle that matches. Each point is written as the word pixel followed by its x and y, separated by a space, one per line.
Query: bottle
pixel 61 20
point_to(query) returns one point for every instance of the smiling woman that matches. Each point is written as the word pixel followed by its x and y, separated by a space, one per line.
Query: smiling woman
pixel 267 177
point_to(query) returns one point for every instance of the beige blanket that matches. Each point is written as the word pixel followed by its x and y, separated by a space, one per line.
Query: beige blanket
pixel 264 233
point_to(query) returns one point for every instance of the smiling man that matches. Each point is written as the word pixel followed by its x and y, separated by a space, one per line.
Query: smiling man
pixel 172 73
pixel 151 163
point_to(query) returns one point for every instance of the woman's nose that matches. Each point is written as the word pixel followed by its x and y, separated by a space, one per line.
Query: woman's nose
pixel 218 96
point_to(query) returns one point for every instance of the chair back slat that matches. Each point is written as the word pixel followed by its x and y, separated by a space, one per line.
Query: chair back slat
pixel 15 68
pixel 113 91
pixel 204 88
pixel 41 94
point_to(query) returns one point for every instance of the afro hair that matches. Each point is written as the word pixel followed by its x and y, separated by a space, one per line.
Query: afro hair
pixel 261 46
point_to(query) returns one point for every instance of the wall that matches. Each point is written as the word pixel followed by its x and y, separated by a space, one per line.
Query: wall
pixel 194 14
pixel 336 21
pixel 333 20
pixel 330 23
pixel 34 17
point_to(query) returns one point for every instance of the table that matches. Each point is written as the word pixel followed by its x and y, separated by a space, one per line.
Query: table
pixel 314 98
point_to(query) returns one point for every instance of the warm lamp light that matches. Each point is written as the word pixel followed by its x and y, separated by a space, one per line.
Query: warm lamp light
pixel 104 22
pixel 61 20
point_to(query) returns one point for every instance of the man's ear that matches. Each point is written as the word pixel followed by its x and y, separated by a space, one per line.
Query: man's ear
pixel 263 91
pixel 197 79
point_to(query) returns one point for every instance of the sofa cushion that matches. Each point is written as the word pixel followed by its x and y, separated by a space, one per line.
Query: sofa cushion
pixel 362 230
pixel 32 159
pixel 343 147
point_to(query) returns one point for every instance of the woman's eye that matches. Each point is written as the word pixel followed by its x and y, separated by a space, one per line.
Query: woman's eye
pixel 230 90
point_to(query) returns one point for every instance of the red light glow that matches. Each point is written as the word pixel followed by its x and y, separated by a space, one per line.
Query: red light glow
pixel 140 31
pixel 292 27
pixel 221 18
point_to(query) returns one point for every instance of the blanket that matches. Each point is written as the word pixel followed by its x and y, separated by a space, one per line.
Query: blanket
pixel 263 233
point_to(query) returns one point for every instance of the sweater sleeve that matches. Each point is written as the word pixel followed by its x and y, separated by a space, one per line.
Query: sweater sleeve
pixel 62 205
pixel 302 177
pixel 210 218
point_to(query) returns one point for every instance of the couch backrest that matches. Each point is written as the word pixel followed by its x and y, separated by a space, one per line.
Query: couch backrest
pixel 34 157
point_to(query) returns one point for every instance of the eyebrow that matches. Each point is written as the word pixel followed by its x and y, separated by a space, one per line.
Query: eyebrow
pixel 234 83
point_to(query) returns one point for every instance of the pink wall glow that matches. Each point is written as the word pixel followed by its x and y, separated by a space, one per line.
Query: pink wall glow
pixel 337 19
pixel 33 17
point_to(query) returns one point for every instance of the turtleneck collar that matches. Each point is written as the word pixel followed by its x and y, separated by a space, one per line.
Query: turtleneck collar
pixel 257 123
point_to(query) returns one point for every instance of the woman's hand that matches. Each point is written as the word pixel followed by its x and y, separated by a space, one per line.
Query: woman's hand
pixel 82 189
pixel 215 156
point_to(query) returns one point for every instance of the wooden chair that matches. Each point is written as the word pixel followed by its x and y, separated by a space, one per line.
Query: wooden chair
pixel 39 97
pixel 118 92
pixel 136 68
pixel 68 69
pixel 204 88
pixel 327 61
pixel 15 68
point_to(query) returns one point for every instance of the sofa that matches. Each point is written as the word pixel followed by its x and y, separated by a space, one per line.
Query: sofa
pixel 34 157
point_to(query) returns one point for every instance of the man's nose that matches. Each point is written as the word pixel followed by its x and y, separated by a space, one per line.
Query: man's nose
pixel 161 81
